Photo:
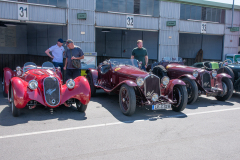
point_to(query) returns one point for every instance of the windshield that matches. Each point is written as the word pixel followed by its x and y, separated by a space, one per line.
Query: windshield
pixel 238 60
pixel 48 65
pixel 230 57
pixel 116 62
pixel 29 65
pixel 172 59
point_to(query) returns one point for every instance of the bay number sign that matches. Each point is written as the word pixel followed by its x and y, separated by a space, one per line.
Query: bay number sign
pixel 23 12
pixel 203 28
pixel 130 21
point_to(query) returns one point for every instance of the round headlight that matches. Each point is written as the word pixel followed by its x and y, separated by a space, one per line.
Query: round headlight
pixel 154 97
pixel 140 81
pixel 19 73
pixel 33 84
pixel 18 68
pixel 165 80
pixel 214 73
pixel 195 74
pixel 70 84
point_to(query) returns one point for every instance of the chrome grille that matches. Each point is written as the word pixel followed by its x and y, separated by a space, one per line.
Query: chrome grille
pixel 51 91
pixel 151 85
pixel 206 80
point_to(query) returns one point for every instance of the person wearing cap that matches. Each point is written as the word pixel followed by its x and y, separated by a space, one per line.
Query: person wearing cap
pixel 57 54
pixel 73 52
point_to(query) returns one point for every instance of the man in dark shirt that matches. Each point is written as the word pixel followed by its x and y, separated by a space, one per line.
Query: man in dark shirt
pixel 73 52
pixel 140 53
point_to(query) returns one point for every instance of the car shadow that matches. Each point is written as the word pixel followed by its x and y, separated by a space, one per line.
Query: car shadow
pixel 111 103
pixel 203 101
pixel 40 113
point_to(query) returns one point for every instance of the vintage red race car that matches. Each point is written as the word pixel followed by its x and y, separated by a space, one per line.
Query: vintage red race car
pixel 198 80
pixel 32 85
pixel 136 87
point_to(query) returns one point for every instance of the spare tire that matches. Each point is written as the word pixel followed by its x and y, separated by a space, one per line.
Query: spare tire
pixel 159 71
pixel 228 70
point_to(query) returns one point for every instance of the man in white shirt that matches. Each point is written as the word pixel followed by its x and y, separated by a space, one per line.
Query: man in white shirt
pixel 57 54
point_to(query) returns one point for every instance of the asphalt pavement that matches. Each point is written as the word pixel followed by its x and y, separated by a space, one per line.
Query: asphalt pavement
pixel 208 129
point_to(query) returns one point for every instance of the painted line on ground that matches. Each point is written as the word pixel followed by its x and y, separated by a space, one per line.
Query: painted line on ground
pixel 111 124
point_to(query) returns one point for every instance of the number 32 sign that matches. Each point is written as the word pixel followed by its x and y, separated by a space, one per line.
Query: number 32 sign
pixel 23 12
pixel 130 20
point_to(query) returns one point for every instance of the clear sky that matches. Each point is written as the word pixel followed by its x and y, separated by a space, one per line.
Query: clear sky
pixel 236 2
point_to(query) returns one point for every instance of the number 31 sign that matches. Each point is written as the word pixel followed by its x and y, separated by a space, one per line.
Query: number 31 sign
pixel 130 20
pixel 23 12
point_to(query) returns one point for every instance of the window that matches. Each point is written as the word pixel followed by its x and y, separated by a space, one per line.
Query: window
pixel 202 13
pixel 58 3
pixel 145 7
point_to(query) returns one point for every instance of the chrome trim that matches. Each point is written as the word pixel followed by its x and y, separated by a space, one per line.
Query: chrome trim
pixel 44 91
pixel 145 84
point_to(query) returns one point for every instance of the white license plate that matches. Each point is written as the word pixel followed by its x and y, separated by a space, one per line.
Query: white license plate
pixel 161 106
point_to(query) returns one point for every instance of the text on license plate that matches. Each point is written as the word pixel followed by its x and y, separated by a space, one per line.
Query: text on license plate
pixel 161 106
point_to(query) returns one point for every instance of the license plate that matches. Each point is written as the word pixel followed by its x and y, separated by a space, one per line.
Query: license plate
pixel 161 106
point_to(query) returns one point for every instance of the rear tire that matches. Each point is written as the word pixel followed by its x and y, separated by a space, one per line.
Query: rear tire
pixel 90 81
pixel 227 70
pixel 192 90
pixel 80 107
pixel 180 93
pixel 127 100
pixel 159 71
pixel 229 93
pixel 15 110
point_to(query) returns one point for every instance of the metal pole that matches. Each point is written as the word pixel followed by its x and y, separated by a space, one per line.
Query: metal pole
pixel 232 13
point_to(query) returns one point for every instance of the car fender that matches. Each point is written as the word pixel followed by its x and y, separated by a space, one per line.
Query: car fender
pixel 170 86
pixel 81 91
pixel 188 76
pixel 7 75
pixel 94 73
pixel 127 82
pixel 219 78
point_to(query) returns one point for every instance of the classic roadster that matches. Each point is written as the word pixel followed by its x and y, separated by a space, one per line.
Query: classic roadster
pixel 32 85
pixel 136 87
pixel 198 80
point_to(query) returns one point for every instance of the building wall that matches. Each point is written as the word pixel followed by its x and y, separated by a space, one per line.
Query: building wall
pixel 82 32
pixel 21 42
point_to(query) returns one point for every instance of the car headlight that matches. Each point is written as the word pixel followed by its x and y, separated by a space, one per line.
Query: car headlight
pixel 195 74
pixel 18 68
pixel 70 84
pixel 19 73
pixel 154 97
pixel 33 84
pixel 165 80
pixel 140 81
pixel 59 68
pixel 214 73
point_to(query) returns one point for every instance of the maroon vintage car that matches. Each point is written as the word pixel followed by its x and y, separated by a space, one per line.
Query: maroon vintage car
pixel 137 87
pixel 32 85
pixel 198 80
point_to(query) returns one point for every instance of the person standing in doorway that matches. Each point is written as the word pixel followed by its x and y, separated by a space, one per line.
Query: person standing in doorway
pixel 57 54
pixel 140 54
pixel 73 52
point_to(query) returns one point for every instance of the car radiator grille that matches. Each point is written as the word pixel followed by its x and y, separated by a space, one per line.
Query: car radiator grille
pixel 51 91
pixel 206 80
pixel 151 85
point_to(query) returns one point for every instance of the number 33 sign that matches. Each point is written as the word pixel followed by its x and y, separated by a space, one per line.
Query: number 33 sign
pixel 23 12
pixel 130 20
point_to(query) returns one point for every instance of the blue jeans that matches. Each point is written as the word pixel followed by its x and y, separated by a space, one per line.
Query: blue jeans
pixel 143 68
pixel 56 64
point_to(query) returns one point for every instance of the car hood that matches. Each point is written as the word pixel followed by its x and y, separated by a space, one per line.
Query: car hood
pixel 131 71
pixel 188 69
pixel 39 74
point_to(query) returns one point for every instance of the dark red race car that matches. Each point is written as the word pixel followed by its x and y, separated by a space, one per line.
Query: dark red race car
pixel 33 85
pixel 198 80
pixel 137 87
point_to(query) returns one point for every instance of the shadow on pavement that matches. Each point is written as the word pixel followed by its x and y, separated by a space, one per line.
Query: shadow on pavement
pixel 111 103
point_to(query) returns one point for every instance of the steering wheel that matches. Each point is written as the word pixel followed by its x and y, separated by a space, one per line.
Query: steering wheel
pixel 226 61
pixel 205 67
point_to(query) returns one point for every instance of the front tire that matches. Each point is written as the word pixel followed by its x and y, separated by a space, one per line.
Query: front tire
pixel 80 107
pixel 228 71
pixel 192 90
pixel 90 81
pixel 226 82
pixel 15 110
pixel 127 100
pixel 181 95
